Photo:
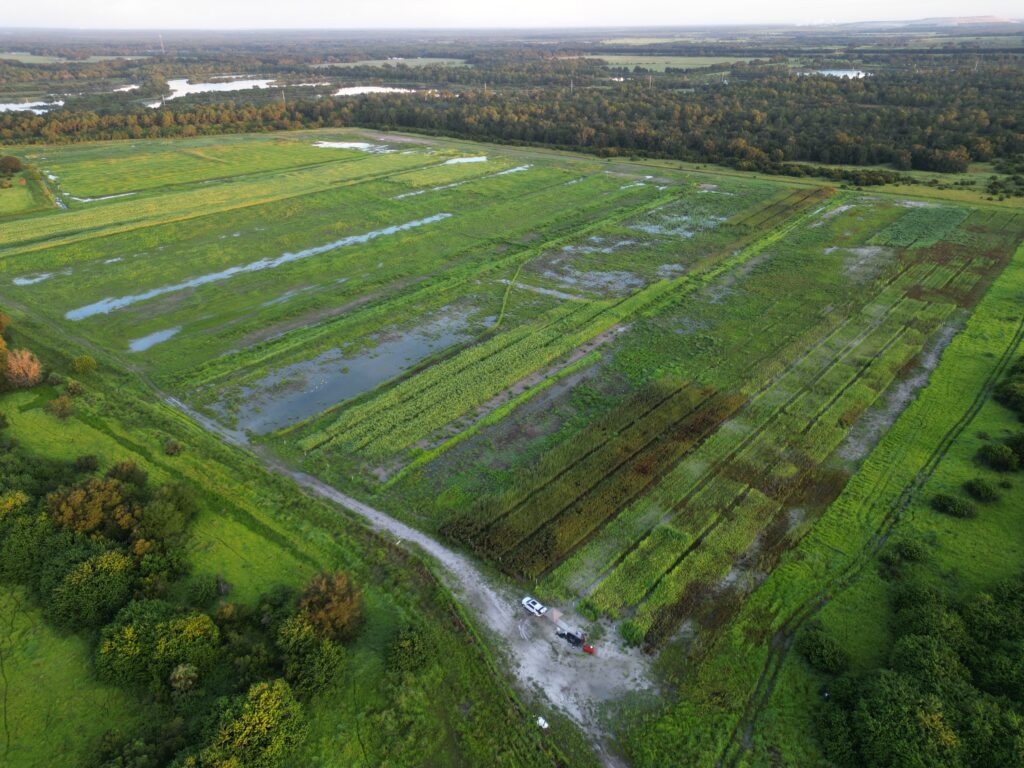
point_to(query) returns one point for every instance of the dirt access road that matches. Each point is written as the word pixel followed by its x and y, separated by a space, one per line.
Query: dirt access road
pixel 572 681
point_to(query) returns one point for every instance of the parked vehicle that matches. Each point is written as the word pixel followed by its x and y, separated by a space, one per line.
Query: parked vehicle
pixel 534 606
pixel 572 638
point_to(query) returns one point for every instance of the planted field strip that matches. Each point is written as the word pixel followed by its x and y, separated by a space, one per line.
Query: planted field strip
pixel 495 416
pixel 133 213
pixel 97 170
pixel 572 525
pixel 804 386
pixel 554 464
pixel 921 227
pixel 815 440
pixel 780 205
pixel 398 417
pixel 706 566
pixel 459 272
pixel 842 543
pixel 506 528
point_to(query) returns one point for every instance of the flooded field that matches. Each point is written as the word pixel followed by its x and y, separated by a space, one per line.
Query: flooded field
pixel 301 390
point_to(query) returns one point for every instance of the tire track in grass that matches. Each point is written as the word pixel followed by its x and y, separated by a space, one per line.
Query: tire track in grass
pixel 740 740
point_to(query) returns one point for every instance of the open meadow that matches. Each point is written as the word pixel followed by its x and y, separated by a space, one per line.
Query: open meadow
pixel 677 402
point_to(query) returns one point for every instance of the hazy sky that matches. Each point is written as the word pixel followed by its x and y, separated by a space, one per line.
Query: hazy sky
pixel 250 14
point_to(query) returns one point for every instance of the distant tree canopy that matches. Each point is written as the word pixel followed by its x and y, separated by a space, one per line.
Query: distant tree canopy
pixel 919 114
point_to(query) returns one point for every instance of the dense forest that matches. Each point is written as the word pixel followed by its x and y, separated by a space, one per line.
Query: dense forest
pixel 915 111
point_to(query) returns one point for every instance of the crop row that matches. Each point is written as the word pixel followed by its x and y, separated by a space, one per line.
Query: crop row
pixel 557 538
pixel 773 419
pixel 573 508
pixel 707 567
pixel 812 440
pixel 780 385
pixel 505 528
pixel 921 227
pixel 442 393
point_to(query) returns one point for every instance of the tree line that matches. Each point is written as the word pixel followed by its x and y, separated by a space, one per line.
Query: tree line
pixel 762 117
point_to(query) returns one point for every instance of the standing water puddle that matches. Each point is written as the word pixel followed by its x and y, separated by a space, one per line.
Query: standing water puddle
pixel 462 160
pixel 145 342
pixel 108 305
pixel 301 390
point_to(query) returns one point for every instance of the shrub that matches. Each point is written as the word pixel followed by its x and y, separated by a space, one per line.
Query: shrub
pixel 173 447
pixel 311 662
pixel 999 457
pixel 928 658
pixel 9 165
pixel 902 551
pixel 4 422
pixel 631 632
pixel 23 369
pixel 86 463
pixel 93 591
pixel 54 379
pixel 60 407
pixel 75 388
pixel 1016 444
pixel 83 365
pixel 97 505
pixel 980 489
pixel 149 639
pixel 910 550
pixel 167 515
pixel 333 605
pixel 836 738
pixel 953 506
pixel 410 651
pixel 821 651
pixel 1011 394
pixel 258 731
pixel 124 653
pixel 129 472
pixel 202 590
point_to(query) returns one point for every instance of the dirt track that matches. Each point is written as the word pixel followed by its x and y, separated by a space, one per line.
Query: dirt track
pixel 572 681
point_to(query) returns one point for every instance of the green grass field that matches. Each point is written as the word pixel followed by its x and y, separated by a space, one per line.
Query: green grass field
pixel 649 393
pixel 50 699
